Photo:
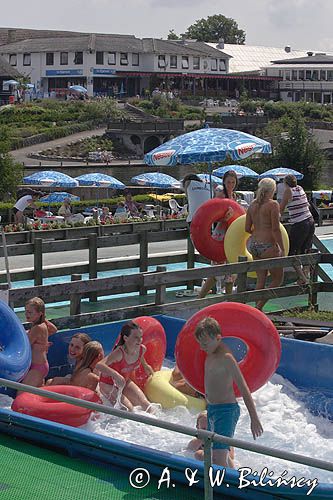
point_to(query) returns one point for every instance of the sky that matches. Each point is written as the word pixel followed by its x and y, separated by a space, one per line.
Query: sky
pixel 302 24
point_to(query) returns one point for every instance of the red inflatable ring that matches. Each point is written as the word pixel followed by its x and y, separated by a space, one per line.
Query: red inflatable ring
pixel 236 320
pixel 50 409
pixel 208 213
pixel 154 339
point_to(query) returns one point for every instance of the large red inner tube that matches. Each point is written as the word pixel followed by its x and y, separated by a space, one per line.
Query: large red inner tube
pixel 154 339
pixel 56 411
pixel 236 320
pixel 205 216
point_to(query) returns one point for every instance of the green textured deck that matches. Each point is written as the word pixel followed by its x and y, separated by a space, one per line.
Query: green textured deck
pixel 28 472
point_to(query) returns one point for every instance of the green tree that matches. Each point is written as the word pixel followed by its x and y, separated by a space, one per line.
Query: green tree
pixel 296 148
pixel 173 35
pixel 215 27
pixel 11 173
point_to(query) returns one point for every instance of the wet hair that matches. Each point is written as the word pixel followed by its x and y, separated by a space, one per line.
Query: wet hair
pixel 84 337
pixel 90 352
pixel 202 415
pixel 126 331
pixel 265 186
pixel 229 173
pixel 38 304
pixel 207 327
pixel 290 180
pixel 190 177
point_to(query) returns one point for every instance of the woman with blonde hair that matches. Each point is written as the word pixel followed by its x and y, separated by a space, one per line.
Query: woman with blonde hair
pixel 263 223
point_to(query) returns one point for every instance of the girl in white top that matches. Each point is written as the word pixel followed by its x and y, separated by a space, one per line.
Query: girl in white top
pixel 197 193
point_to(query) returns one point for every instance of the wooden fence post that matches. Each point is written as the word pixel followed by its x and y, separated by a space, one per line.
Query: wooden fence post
pixel 313 296
pixel 190 259
pixel 75 298
pixel 160 289
pixel 242 277
pixel 38 261
pixel 143 257
pixel 92 241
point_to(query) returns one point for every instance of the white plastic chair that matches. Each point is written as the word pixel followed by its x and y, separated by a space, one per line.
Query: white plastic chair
pixel 176 208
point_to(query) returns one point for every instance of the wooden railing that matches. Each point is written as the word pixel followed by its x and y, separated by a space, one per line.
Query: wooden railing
pixel 159 281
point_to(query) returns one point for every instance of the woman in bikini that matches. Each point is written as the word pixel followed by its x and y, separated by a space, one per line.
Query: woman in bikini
pixel 263 223
pixel 117 367
pixel 38 335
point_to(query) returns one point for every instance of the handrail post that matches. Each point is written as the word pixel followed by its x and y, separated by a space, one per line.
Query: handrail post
pixel 143 257
pixel 242 277
pixel 208 489
pixel 38 261
pixel 190 259
pixel 160 289
pixel 75 298
pixel 92 242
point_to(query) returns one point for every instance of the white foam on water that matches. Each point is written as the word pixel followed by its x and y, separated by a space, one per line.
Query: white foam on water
pixel 288 426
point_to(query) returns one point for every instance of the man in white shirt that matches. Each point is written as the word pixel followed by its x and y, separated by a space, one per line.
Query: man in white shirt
pixel 22 203
pixel 197 193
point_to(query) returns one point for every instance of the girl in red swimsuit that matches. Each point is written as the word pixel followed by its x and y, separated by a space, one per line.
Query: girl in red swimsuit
pixel 117 367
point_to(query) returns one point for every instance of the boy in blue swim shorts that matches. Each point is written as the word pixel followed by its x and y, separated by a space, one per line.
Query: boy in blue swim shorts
pixel 221 372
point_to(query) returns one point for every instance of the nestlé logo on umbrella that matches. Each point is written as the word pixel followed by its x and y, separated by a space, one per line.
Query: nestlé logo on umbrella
pixel 163 158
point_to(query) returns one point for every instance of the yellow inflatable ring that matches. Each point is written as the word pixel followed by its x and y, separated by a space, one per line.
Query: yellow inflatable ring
pixel 159 390
pixel 236 238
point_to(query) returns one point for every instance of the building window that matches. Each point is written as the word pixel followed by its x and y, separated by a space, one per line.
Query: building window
pixel 308 74
pixel 161 61
pixel 329 75
pixel 13 59
pixel 111 58
pixel 135 59
pixel 49 58
pixel 315 75
pixel 196 62
pixel 185 64
pixel 99 57
pixel 221 65
pixel 287 75
pixel 123 58
pixel 26 59
pixel 213 65
pixel 322 74
pixel 173 61
pixel 78 58
pixel 63 58
pixel 301 74
pixel 294 74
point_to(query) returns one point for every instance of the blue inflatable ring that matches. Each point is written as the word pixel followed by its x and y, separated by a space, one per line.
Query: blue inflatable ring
pixel 15 350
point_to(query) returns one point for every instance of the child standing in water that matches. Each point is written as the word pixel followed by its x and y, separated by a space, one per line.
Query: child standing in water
pixel 38 335
pixel 83 374
pixel 117 367
pixel 221 371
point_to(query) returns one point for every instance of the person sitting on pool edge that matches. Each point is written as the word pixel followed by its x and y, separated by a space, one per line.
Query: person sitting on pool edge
pixel 197 445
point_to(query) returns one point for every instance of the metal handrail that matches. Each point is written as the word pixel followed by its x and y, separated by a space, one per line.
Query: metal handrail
pixel 206 436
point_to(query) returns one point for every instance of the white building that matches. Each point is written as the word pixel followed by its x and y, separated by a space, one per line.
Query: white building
pixel 308 78
pixel 115 64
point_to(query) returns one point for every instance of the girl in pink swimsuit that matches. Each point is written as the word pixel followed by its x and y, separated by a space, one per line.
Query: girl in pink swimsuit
pixel 38 335
pixel 116 369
